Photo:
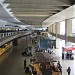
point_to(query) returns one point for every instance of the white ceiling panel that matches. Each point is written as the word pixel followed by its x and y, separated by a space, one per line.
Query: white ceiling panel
pixel 65 14
pixel 28 11
pixel 5 15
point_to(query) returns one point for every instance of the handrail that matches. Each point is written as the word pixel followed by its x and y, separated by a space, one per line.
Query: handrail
pixel 12 37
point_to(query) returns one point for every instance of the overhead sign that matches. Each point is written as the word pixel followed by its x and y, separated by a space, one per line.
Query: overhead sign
pixel 69 48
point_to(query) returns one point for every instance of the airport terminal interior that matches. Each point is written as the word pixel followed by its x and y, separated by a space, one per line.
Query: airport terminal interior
pixel 37 37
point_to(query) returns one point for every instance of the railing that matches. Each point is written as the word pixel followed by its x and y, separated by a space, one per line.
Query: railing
pixel 11 37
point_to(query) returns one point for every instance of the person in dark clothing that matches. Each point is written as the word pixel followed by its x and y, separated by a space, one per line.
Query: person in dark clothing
pixel 62 55
pixel 60 69
pixel 58 65
pixel 70 55
pixel 30 69
pixel 69 70
pixel 27 70
pixel 34 72
pixel 67 55
pixel 24 63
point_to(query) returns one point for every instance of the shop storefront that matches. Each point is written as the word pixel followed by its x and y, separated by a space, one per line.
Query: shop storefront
pixel 68 53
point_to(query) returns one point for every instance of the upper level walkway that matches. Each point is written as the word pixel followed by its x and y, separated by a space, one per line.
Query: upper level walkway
pixel 14 36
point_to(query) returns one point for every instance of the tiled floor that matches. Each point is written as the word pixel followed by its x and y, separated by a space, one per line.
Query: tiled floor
pixel 14 63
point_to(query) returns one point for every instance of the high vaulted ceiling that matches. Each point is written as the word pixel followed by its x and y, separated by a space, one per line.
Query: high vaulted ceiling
pixel 34 12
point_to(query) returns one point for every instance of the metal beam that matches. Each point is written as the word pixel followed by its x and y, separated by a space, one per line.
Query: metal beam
pixel 33 10
pixel 72 2
pixel 34 6
pixel 31 13
pixel 54 2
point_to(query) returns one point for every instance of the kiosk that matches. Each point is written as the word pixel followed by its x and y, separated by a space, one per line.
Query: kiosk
pixel 67 53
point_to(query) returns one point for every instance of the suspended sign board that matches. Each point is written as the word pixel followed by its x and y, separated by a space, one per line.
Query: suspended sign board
pixel 68 48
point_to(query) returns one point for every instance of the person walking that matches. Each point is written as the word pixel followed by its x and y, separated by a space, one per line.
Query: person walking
pixel 69 70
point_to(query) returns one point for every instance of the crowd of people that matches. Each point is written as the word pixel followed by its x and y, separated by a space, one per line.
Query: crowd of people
pixel 27 51
pixel 68 55
pixel 57 68
pixel 30 70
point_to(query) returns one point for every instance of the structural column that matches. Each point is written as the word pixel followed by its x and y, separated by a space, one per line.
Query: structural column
pixel 26 41
pixel 68 31
pixel 49 29
pixel 54 28
pixel 58 27
pixel 15 42
pixel 57 33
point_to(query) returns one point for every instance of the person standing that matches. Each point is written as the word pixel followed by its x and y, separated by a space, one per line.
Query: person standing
pixel 30 69
pixel 34 72
pixel 24 63
pixel 60 70
pixel 69 70
pixel 58 65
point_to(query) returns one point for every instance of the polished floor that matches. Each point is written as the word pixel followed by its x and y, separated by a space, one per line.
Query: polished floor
pixel 13 64
pixel 12 61
pixel 65 63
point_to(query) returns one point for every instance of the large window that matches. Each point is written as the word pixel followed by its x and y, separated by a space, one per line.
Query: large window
pixel 73 26
pixel 73 30
pixel 62 28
